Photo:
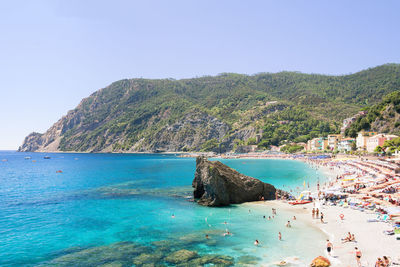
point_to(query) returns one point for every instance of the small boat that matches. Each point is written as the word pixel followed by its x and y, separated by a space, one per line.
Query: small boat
pixel 298 202
pixel 27 158
pixel 59 171
pixel 46 157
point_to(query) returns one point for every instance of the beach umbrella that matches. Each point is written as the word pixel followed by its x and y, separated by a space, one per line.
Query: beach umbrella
pixel 320 262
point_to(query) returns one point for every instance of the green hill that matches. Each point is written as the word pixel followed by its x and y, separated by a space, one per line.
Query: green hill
pixel 383 117
pixel 214 111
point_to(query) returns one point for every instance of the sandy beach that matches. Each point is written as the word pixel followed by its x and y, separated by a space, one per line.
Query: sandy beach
pixel 362 185
pixel 370 238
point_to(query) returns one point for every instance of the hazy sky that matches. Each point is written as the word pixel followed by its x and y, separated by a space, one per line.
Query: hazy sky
pixel 54 53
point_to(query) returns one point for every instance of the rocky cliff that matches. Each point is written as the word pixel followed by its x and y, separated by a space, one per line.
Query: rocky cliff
pixel 216 184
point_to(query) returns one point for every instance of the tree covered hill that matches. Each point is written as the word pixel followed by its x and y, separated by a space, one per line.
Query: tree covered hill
pixel 383 117
pixel 212 112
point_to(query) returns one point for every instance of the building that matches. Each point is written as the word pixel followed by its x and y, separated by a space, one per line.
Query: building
pixel 333 141
pixel 378 140
pixel 346 144
pixel 361 140
pixel 317 144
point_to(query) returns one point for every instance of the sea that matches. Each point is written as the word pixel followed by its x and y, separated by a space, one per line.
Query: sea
pixel 73 209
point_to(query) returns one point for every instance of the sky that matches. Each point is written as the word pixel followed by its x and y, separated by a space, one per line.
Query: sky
pixel 54 53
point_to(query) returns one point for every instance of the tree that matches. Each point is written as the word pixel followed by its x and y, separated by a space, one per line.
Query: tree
pixel 353 146
pixel 378 149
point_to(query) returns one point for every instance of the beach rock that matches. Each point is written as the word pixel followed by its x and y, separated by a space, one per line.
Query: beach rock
pixel 216 184
pixel 116 254
pixel 146 258
pixel 181 256
pixel 320 262
pixel 113 264
pixel 248 260
pixel 216 260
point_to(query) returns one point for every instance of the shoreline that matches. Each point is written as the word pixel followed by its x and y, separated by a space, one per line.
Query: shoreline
pixel 370 237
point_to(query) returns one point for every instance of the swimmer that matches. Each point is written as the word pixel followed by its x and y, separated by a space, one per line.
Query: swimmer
pixel 227 233
pixel 256 243
pixel 280 236
pixel 173 216
pixel 269 217
pixel 294 218
pixel 207 237
pixel 288 224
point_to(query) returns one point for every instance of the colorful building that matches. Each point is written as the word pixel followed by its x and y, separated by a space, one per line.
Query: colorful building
pixel 378 140
pixel 362 138
pixel 346 144
pixel 333 141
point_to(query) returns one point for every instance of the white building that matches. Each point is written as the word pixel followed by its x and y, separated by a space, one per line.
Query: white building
pixel 361 140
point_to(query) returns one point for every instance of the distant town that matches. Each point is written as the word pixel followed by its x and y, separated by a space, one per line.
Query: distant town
pixel 366 141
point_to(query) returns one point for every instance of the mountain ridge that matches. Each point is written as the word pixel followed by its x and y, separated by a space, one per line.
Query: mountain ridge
pixel 148 115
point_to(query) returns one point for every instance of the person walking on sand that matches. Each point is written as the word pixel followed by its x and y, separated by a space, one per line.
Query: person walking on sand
pixel 329 247
pixel 313 213
pixel 358 256
pixel 317 213
pixel 322 217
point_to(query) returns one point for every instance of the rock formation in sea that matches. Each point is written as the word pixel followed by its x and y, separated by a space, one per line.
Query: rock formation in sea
pixel 216 184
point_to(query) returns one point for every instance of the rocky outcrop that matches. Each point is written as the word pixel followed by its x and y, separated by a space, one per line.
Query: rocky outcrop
pixel 216 184
pixel 189 133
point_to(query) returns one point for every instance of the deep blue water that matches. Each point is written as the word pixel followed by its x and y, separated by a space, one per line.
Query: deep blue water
pixel 100 199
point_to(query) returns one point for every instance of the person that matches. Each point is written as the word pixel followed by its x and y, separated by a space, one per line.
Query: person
pixel 256 243
pixel 227 233
pixel 294 218
pixel 269 217
pixel 329 247
pixel 386 261
pixel 173 215
pixel 280 236
pixel 264 216
pixel 353 238
pixel 313 213
pixel 207 237
pixel 322 217
pixel 379 263
pixel 358 256
pixel 317 213
pixel 288 224
pixel 347 238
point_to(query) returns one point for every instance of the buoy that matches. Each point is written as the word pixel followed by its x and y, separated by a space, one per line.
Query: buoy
pixel 59 171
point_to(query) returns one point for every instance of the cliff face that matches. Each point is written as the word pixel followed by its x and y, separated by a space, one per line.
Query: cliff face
pixel 215 184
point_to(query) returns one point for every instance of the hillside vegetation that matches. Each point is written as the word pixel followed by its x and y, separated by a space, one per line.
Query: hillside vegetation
pixel 383 117
pixel 214 112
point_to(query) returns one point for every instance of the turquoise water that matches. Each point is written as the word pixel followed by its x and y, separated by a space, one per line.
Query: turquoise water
pixel 101 199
